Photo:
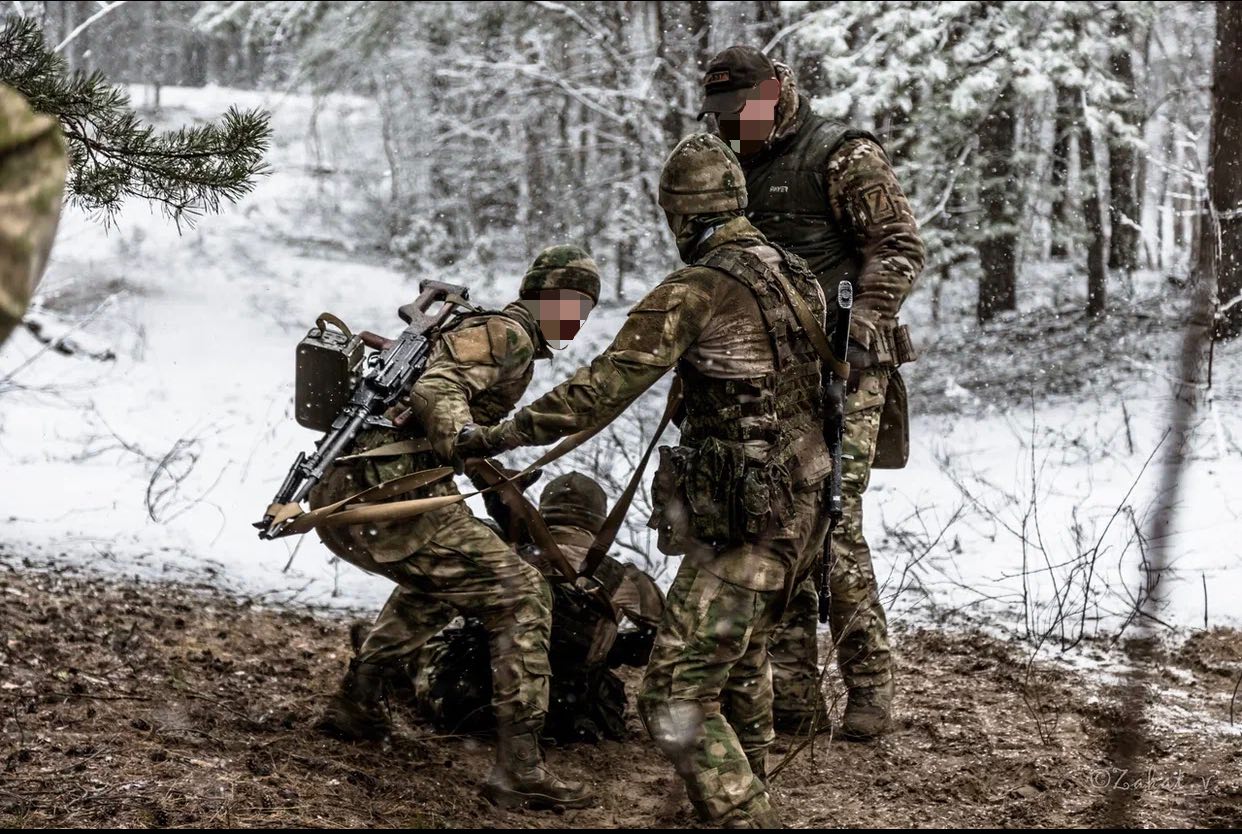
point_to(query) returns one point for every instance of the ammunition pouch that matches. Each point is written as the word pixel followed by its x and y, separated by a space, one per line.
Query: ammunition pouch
pixel 715 494
pixel 894 347
pixel 327 370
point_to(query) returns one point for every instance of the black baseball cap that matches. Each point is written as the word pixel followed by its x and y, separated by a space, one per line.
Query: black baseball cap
pixel 730 75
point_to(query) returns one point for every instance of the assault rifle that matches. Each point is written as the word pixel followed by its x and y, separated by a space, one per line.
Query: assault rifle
pixel 834 434
pixel 379 382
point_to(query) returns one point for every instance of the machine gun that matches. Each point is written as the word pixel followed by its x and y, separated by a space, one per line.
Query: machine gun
pixel 834 434
pixel 378 382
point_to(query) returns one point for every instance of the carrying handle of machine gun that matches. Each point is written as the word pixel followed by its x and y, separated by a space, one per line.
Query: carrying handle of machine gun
pixel 429 292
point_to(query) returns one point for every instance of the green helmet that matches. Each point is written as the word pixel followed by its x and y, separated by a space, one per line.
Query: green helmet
pixel 574 500
pixel 702 176
pixel 563 267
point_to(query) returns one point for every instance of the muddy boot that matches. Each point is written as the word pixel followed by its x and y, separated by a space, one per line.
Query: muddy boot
pixel 520 778
pixel 868 712
pixel 359 711
pixel 757 813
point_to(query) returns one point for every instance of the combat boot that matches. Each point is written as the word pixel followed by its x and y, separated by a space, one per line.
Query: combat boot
pixel 868 712
pixel 758 815
pixel 520 777
pixel 359 710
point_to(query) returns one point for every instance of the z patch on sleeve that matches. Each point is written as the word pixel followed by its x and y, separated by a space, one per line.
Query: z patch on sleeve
pixel 875 205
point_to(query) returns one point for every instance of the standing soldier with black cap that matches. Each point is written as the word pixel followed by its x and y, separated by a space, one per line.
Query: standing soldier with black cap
pixel 827 192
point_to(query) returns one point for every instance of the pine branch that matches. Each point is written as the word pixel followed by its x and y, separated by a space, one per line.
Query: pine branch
pixel 114 156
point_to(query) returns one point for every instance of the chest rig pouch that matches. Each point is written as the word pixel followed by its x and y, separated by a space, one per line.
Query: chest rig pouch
pixel 733 478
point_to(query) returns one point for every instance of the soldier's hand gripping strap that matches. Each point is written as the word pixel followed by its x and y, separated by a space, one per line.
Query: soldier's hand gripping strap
pixel 608 533
pixel 361 509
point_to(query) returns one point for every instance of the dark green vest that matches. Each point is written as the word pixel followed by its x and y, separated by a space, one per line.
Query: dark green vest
pixel 787 193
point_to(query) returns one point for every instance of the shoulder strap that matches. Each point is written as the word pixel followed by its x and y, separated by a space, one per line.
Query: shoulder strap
pixel 608 533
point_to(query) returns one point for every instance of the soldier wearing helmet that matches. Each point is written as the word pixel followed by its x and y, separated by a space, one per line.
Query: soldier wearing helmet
pixel 449 676
pixel 740 496
pixel 447 562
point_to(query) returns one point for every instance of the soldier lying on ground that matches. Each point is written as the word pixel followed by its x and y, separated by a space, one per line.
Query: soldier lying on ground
pixel 449 680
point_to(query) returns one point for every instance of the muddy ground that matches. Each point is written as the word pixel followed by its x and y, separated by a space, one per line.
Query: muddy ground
pixel 130 704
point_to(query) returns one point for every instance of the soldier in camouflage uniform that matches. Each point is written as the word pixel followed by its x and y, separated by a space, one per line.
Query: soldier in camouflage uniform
pixel 827 192
pixel 32 181
pixel 447 562
pixel 450 676
pixel 740 497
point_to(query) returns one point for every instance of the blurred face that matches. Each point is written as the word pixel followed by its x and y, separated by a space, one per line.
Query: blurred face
pixel 560 313
pixel 748 129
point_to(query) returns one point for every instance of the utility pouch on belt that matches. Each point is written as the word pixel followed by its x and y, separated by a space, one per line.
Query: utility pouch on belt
pixel 903 346
pixel 327 367
pixel 892 445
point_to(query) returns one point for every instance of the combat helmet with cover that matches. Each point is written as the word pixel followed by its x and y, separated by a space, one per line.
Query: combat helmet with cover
pixel 574 500
pixel 702 176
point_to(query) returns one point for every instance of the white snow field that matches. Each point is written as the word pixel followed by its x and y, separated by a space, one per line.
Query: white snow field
pixel 156 463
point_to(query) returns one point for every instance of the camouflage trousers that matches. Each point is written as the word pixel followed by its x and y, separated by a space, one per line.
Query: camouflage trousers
pixel 464 568
pixel 856 618
pixel 706 698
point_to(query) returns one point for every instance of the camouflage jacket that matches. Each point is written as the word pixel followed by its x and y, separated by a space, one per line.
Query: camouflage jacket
pixel 476 373
pixel 32 180
pixel 868 206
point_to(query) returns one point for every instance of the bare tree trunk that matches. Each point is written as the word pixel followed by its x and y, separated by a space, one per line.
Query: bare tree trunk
pixel 1059 226
pixel 767 22
pixel 998 195
pixel 1123 209
pixel 701 33
pixel 1097 272
pixel 1224 228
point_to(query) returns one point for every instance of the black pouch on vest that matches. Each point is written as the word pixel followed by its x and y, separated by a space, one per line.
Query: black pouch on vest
pixel 668 508
pixel 327 367
pixel 892 444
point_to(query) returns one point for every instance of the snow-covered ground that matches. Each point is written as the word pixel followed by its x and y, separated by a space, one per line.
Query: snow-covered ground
pixel 157 462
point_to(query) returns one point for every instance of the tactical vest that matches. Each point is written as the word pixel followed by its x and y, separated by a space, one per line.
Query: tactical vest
pixel 736 487
pixel 787 194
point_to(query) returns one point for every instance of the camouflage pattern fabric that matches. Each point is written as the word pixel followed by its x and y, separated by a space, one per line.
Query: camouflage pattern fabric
pixel 871 206
pixel 467 569
pixel 711 661
pixel 447 562
pixel 562 268
pixel 857 622
pixel 711 647
pixel 32 181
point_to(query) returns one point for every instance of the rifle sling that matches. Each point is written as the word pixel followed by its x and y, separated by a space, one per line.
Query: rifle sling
pixel 814 331
pixel 342 513
pixel 608 533
pixel 520 506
